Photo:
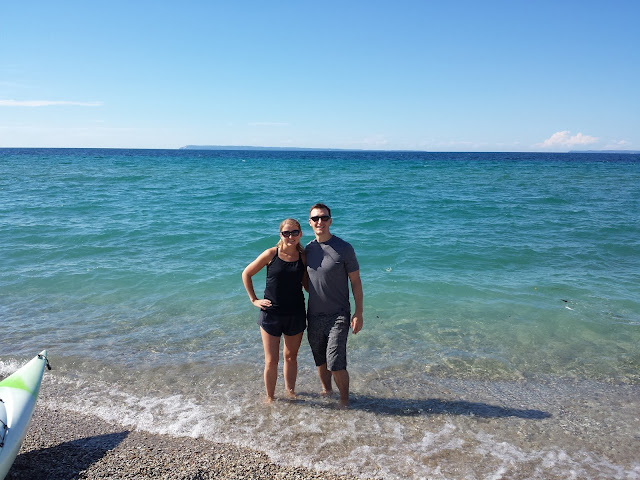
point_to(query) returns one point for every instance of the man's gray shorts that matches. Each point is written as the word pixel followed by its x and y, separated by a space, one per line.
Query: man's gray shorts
pixel 327 335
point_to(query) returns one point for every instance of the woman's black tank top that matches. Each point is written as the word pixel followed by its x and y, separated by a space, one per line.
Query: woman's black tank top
pixel 284 286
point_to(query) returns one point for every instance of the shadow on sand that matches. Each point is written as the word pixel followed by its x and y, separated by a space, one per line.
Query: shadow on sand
pixel 64 461
pixel 434 406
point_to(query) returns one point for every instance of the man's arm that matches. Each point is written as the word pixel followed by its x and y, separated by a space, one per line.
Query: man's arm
pixel 356 288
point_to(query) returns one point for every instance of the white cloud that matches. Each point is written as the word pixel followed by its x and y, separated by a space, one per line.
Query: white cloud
pixel 46 103
pixel 564 139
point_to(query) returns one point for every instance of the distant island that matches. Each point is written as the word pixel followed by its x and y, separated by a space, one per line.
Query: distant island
pixel 303 149
pixel 240 147
pixel 623 152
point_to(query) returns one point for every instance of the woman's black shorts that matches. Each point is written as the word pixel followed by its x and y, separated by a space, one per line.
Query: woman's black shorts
pixel 276 324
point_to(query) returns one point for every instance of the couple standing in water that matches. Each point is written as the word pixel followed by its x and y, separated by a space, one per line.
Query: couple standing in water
pixel 324 268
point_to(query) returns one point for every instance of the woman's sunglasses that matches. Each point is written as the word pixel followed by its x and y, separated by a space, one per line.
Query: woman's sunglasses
pixel 287 233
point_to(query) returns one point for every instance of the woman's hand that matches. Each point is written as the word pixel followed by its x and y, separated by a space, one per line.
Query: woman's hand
pixel 261 303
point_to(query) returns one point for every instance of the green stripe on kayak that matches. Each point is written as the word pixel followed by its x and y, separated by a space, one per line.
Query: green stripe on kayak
pixel 15 381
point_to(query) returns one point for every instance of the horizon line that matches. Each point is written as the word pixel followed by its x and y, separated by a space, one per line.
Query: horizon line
pixel 316 149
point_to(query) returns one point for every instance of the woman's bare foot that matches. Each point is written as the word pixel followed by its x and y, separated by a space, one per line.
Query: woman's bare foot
pixel 291 395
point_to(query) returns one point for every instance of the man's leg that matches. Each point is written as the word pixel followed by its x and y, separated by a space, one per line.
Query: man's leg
pixel 325 379
pixel 342 381
pixel 316 334
pixel 337 357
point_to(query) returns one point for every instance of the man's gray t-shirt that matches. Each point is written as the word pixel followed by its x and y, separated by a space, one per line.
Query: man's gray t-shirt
pixel 328 266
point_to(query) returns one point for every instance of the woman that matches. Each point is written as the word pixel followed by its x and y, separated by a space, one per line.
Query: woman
pixel 282 310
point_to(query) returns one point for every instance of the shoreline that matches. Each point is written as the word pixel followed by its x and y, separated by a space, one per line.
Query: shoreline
pixel 61 444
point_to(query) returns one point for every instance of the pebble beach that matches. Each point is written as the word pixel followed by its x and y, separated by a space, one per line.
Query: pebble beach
pixel 64 445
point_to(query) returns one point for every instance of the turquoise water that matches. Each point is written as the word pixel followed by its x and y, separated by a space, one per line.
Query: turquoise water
pixel 505 283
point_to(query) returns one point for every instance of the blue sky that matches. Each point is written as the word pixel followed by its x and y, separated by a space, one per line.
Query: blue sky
pixel 417 75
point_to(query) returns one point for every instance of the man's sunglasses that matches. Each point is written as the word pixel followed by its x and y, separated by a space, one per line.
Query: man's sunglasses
pixel 325 218
pixel 287 233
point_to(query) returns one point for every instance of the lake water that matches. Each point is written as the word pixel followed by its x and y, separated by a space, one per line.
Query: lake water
pixel 502 303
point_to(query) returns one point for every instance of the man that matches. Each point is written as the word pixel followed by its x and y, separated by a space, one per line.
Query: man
pixel 331 265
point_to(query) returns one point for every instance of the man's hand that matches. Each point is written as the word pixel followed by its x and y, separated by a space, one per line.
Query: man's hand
pixel 356 323
pixel 356 288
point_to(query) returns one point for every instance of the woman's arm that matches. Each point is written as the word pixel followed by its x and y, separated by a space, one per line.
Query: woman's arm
pixel 250 270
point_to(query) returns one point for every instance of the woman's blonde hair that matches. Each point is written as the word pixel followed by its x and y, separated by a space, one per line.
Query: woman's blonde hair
pixel 282 224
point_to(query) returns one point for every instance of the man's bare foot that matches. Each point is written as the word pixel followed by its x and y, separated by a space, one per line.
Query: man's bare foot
pixel 269 400
pixel 326 393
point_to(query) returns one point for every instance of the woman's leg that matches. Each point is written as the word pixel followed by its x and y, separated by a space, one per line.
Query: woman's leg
pixel 291 347
pixel 271 346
